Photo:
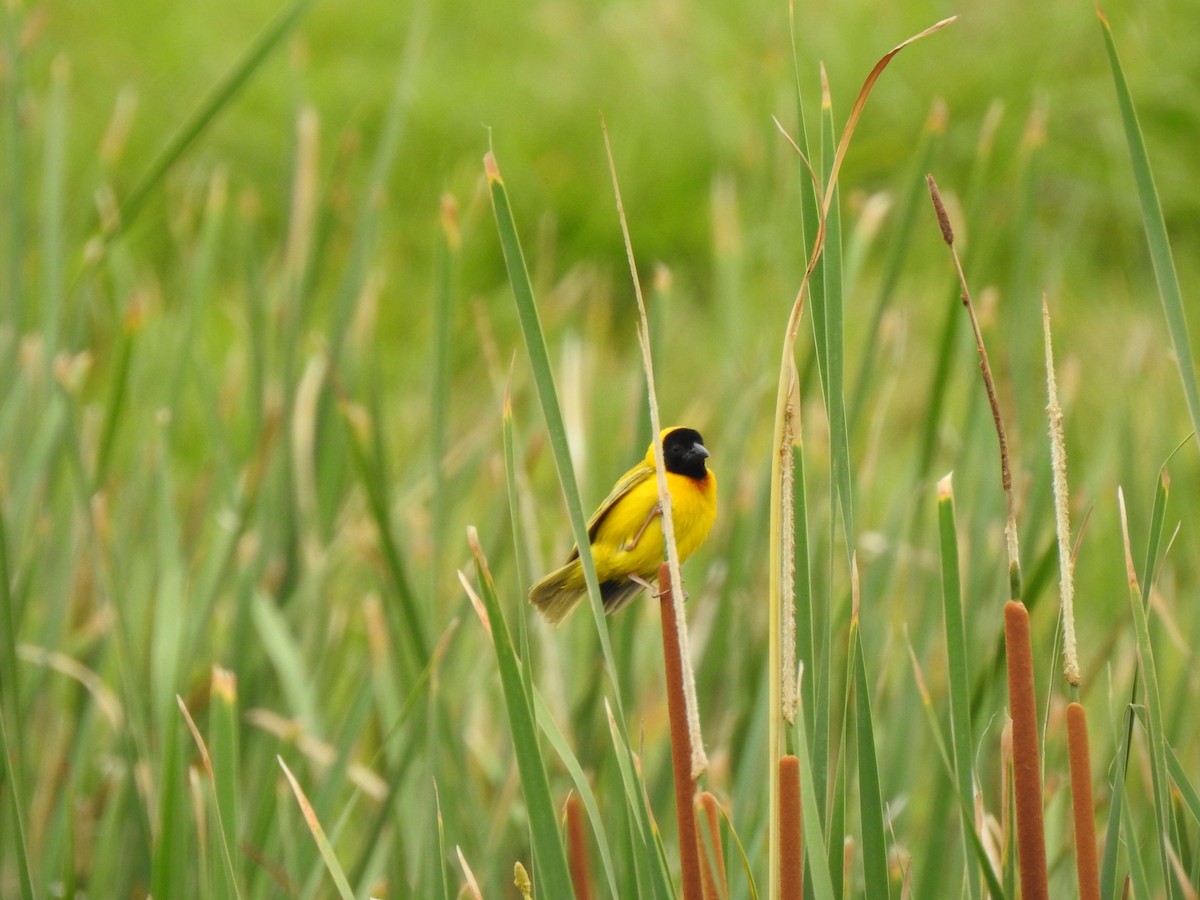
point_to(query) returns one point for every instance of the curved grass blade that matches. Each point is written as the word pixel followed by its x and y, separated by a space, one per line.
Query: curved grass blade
pixel 24 875
pixel 870 794
pixel 1187 790
pixel 212 106
pixel 543 376
pixel 1108 863
pixel 559 742
pixel 547 842
pixel 1156 232
pixel 814 834
pixel 779 453
pixel 318 833
pixel 1166 836
pixel 367 465
pixel 958 676
pixel 224 827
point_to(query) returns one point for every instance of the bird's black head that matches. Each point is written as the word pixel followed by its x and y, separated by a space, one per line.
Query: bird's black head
pixel 684 452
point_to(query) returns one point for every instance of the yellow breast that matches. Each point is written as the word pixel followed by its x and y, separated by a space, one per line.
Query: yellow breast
pixel 619 550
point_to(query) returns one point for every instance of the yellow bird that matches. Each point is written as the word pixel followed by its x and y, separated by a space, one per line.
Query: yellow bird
pixel 627 551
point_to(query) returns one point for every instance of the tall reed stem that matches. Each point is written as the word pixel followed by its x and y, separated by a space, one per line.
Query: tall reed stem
pixel 1018 645
pixel 681 744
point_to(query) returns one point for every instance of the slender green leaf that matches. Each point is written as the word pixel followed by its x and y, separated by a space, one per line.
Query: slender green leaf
pixel 228 878
pixel 903 230
pixel 368 465
pixel 543 822
pixel 751 887
pixel 870 794
pixel 285 654
pixel 644 830
pixel 814 833
pixel 1154 725
pixel 218 99
pixel 1156 233
pixel 1183 784
pixel 226 764
pixel 21 848
pixel 1134 838
pixel 1108 862
pixel 172 850
pixel 543 376
pixel 835 338
pixel 1116 811
pixel 559 742
pixel 958 675
pixel 314 826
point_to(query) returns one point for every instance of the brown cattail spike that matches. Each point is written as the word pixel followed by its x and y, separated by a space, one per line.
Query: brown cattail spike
pixel 577 852
pixel 940 209
pixel 1027 774
pixel 791 846
pixel 1082 804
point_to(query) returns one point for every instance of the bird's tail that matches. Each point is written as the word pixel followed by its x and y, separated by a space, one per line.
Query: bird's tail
pixel 556 594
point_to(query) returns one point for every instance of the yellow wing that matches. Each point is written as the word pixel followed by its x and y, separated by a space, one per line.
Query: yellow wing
pixel 624 485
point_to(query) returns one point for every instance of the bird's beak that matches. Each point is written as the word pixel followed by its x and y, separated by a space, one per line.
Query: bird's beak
pixel 700 450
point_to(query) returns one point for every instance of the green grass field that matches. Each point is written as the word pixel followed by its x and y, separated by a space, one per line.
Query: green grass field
pixel 262 369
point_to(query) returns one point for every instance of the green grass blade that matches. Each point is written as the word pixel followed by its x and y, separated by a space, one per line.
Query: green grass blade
pixel 958 676
pixel 449 255
pixel 559 742
pixel 227 875
pixel 814 834
pixel 1112 831
pixel 1183 784
pixel 1154 724
pixel 226 765
pixel 21 848
pixel 543 375
pixel 171 852
pixel 1108 863
pixel 218 99
pixel 1156 233
pixel 441 875
pixel 367 224
pixel 9 673
pixel 644 833
pixel 287 656
pixel 835 339
pixel 870 794
pixel 751 887
pixel 548 848
pixel 314 826
pixel 367 466
pixel 1133 842
pixel 898 251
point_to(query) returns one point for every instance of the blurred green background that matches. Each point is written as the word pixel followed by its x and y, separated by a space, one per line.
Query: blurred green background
pixel 189 471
